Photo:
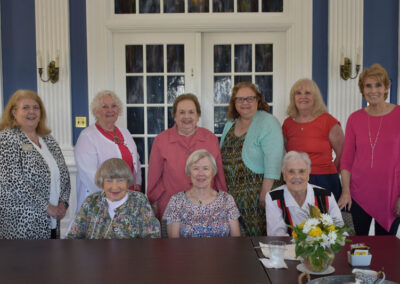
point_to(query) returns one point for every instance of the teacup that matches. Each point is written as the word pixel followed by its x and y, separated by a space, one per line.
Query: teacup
pixel 276 251
pixel 368 276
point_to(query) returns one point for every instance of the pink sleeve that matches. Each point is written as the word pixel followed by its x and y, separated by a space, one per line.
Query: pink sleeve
pixel 220 177
pixel 349 147
pixel 156 164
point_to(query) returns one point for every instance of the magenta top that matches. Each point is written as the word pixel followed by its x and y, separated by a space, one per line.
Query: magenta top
pixel 167 163
pixel 377 188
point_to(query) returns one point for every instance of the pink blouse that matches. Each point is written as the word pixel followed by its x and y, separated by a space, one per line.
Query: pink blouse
pixel 167 163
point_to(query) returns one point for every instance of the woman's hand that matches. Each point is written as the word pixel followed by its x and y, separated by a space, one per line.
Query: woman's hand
pixel 54 211
pixel 138 188
pixel 345 200
pixel 397 208
pixel 265 188
pixel 155 208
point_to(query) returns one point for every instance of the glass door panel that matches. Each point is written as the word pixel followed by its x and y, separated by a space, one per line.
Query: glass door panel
pixel 231 58
pixel 151 70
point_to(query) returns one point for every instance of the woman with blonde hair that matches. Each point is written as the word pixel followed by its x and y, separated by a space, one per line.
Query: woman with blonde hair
pixel 34 179
pixel 311 129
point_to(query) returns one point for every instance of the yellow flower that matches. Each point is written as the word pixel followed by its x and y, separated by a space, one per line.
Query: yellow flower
pixel 294 235
pixel 332 228
pixel 316 232
pixel 302 225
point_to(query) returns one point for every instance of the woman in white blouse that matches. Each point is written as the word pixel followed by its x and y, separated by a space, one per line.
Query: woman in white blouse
pixel 288 204
pixel 101 141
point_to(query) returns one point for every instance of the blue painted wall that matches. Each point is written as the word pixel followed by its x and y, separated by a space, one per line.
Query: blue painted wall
pixel 320 46
pixel 381 22
pixel 18 40
pixel 79 76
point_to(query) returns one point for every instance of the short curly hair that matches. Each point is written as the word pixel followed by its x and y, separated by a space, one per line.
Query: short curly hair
pixel 96 102
pixel 198 155
pixel 375 71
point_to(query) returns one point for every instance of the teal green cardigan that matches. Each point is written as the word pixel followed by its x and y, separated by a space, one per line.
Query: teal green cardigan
pixel 263 146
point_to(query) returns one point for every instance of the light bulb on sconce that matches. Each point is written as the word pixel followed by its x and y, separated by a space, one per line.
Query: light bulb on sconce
pixel 346 66
pixel 53 69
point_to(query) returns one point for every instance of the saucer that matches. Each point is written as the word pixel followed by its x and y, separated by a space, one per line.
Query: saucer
pixel 300 267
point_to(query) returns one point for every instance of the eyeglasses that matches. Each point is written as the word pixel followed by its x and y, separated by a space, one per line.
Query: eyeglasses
pixel 248 99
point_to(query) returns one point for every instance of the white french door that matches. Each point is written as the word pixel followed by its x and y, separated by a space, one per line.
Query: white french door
pixel 152 69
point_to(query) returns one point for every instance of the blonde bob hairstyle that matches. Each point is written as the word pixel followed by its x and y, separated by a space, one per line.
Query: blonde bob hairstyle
pixel 113 168
pixel 8 119
pixel 305 83
pixel 98 99
pixel 198 155
pixel 295 156
pixel 261 103
pixel 377 72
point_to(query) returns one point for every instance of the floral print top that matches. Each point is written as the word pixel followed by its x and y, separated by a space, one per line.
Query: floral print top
pixel 133 219
pixel 210 220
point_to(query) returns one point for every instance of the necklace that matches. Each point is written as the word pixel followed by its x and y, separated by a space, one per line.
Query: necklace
pixel 113 135
pixel 376 140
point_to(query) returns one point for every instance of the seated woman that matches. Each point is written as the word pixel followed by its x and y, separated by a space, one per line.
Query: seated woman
pixel 202 211
pixel 115 212
pixel 288 204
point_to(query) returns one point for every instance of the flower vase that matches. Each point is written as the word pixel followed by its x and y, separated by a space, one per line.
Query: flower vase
pixel 318 262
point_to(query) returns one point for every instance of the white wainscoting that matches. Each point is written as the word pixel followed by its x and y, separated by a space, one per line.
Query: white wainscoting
pixel 345 36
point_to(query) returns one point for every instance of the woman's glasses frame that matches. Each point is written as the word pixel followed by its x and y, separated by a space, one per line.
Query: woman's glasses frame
pixel 249 99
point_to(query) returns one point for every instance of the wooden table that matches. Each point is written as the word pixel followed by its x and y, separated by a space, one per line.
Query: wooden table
pixel 385 252
pixel 215 260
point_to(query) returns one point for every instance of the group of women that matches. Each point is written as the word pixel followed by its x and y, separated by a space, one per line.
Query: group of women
pixel 198 186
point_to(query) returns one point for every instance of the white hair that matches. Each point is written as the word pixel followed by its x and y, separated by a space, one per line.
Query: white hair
pixel 97 100
pixel 294 156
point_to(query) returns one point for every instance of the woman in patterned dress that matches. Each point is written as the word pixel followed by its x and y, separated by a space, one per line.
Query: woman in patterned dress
pixel 252 149
pixel 202 211
pixel 34 179
pixel 115 212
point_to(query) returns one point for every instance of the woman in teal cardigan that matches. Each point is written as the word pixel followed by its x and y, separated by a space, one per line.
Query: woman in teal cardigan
pixel 252 150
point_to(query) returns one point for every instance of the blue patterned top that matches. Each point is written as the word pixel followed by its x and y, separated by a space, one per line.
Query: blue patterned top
pixel 210 220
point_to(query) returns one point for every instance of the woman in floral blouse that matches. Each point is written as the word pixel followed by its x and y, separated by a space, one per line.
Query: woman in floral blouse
pixel 115 212
pixel 202 211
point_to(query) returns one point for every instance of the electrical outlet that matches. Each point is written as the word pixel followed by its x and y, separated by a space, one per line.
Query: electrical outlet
pixel 80 121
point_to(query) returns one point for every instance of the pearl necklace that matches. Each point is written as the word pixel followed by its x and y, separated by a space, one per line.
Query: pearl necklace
pixel 376 140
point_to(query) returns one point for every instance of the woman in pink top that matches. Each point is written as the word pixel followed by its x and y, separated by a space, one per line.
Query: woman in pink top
pixel 371 158
pixel 311 129
pixel 172 147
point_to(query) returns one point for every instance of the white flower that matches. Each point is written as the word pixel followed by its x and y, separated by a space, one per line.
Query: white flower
pixel 325 241
pixel 326 219
pixel 310 224
pixel 332 237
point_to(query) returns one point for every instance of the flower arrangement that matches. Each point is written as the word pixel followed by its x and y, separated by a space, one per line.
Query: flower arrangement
pixel 317 239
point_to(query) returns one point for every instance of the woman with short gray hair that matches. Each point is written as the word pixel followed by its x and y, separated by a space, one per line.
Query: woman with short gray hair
pixel 202 211
pixel 101 141
pixel 115 212
pixel 289 203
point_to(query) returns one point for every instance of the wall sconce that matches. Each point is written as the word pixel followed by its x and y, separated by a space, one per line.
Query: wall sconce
pixel 346 67
pixel 52 69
